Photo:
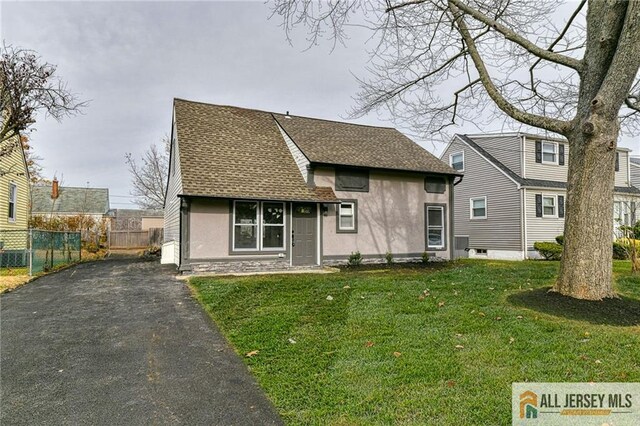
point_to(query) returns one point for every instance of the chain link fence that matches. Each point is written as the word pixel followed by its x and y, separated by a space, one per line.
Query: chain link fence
pixel 38 251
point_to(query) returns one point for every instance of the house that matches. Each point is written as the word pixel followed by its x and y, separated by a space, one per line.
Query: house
pixel 53 200
pixel 254 190
pixel 14 204
pixel 136 219
pixel 14 186
pixel 514 191
pixel 634 170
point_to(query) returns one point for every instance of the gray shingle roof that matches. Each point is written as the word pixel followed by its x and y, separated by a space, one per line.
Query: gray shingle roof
pixel 72 200
pixel 332 142
pixel 536 183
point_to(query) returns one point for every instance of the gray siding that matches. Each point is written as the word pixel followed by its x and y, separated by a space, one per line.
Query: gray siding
pixel 541 228
pixel 533 170
pixel 502 228
pixel 172 203
pixel 505 148
pixel 635 175
pixel 301 160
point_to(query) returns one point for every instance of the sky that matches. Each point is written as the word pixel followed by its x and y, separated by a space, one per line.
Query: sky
pixel 130 59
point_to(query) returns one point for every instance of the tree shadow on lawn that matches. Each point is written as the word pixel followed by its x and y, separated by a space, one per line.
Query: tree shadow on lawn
pixel 623 311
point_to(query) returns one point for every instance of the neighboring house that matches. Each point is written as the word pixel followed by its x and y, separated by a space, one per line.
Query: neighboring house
pixel 514 190
pixel 135 219
pixel 252 190
pixel 634 171
pixel 14 187
pixel 58 201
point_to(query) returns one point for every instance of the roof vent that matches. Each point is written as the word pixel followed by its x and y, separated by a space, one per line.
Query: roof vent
pixel 287 115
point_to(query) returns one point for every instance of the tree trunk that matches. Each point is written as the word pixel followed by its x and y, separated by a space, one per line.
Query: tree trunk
pixel 586 266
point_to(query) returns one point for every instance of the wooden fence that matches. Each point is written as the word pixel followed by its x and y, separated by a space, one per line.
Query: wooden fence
pixel 136 239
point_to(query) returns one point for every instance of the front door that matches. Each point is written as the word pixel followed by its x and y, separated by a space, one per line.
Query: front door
pixel 304 234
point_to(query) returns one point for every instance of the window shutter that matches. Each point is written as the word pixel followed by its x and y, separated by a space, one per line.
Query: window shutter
pixel 617 161
pixel 560 205
pixel 561 154
pixel 538 151
pixel 538 205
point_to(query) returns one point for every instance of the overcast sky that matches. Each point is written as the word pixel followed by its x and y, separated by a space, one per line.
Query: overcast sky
pixel 132 59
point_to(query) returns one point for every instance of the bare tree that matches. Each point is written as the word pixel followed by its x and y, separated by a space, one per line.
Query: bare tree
pixel 149 177
pixel 27 86
pixel 33 160
pixel 442 62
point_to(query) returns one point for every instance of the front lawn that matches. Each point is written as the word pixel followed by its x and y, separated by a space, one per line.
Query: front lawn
pixel 419 346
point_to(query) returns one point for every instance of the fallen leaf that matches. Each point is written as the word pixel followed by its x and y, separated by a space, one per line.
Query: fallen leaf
pixel 459 347
pixel 511 340
pixel 293 342
pixel 587 334
pixel 584 340
pixel 492 288
pixel 347 286
pixel 455 293
pixel 421 297
pixel 458 335
pixel 451 383
pixel 397 354
pixel 482 314
pixel 498 318
pixel 519 317
pixel 369 343
pixel 440 304
pixel 597 361
pixel 329 297
pixel 252 353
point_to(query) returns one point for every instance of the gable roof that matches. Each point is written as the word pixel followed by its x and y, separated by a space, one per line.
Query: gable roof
pixel 135 213
pixel 347 144
pixel 231 152
pixel 71 200
pixel 534 183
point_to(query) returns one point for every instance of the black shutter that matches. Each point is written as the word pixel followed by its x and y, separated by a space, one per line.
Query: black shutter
pixel 561 154
pixel 538 205
pixel 617 161
pixel 560 205
pixel 538 152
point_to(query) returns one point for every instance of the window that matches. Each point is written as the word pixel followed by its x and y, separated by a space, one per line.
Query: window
pixel 549 206
pixel 13 196
pixel 347 216
pixel 478 208
pixel 435 184
pixel 457 161
pixel 481 251
pixel 352 180
pixel 255 222
pixel 550 152
pixel 435 227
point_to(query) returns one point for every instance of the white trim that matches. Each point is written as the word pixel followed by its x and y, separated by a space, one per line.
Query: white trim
pixel 260 225
pixel 486 210
pixel 490 162
pixel 529 135
pixel 524 221
pixel 353 216
pixel 441 227
pixel 451 160
pixel 555 206
pixel 556 152
pixel 319 217
pixel 523 156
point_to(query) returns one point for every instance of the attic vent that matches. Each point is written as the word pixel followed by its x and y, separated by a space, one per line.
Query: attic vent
pixel 287 115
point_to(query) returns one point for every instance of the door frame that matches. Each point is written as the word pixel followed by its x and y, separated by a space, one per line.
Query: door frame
pixel 318 260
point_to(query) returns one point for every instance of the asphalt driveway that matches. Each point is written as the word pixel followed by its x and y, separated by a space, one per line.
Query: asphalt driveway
pixel 119 343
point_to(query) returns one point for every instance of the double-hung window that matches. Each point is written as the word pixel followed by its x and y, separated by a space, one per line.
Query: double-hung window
pixel 13 198
pixel 456 161
pixel 478 208
pixel 258 226
pixel 550 152
pixel 347 216
pixel 435 227
pixel 549 206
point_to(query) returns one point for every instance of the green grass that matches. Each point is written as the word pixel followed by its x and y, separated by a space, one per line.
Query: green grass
pixel 332 375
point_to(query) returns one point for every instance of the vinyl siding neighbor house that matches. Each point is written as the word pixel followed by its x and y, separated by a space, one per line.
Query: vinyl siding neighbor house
pixel 254 190
pixel 514 190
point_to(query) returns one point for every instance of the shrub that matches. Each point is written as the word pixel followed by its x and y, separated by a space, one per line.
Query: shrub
pixel 619 251
pixel 355 258
pixel 389 258
pixel 560 239
pixel 425 257
pixel 548 250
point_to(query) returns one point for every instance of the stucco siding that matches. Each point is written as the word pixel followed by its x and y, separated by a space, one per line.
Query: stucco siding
pixel 14 172
pixel 301 160
pixel 390 217
pixel 209 229
pixel 506 149
pixel 172 203
pixel 501 230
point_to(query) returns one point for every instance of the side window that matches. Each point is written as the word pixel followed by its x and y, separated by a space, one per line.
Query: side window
pixel 456 161
pixel 435 220
pixel 435 184
pixel 478 207
pixel 347 216
pixel 13 198
pixel 352 180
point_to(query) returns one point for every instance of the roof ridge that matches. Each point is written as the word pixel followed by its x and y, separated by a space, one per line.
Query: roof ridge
pixel 291 115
